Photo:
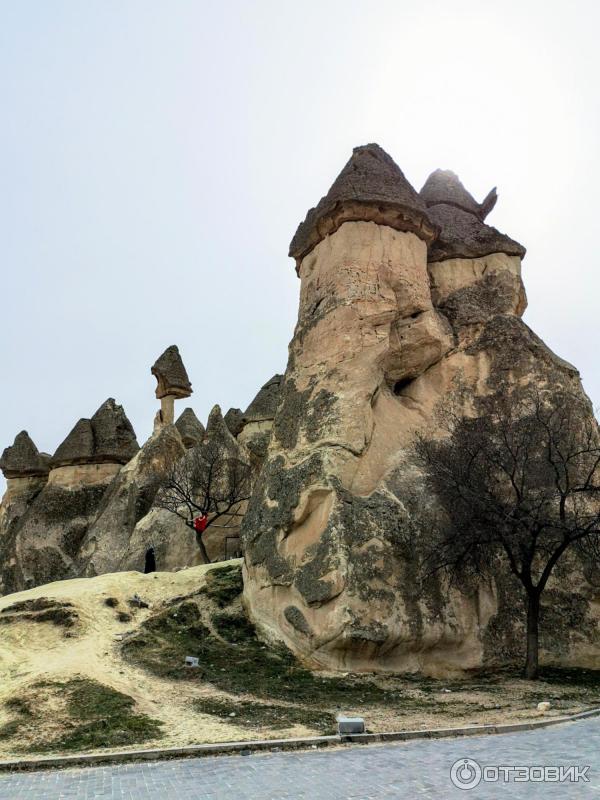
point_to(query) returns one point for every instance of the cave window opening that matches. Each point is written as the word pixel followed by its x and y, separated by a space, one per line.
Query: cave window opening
pixel 150 565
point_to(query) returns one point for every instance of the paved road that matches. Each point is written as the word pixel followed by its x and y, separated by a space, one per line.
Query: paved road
pixel 404 770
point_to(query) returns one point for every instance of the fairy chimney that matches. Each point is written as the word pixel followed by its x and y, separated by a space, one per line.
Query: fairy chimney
pixel 172 384
pixel 96 448
pixel 23 460
pixel 460 220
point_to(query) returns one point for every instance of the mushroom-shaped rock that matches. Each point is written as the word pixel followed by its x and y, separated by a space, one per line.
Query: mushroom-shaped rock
pixel 371 187
pixel 172 378
pixel 114 437
pixel 189 426
pixel 108 437
pixel 23 459
pixel 264 405
pixel 459 217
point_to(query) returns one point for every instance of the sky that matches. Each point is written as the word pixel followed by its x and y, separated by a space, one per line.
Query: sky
pixel 156 157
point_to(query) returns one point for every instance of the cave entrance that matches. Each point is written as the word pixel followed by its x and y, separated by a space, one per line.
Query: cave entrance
pixel 150 565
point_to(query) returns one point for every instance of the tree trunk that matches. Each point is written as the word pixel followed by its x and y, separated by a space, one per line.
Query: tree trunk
pixel 533 621
pixel 205 557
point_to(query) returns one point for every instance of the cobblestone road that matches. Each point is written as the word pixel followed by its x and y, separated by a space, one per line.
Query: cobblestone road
pixel 404 770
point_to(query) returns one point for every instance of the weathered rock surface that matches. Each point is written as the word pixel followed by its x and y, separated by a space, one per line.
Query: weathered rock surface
pixel 388 333
pixel 190 428
pixel 43 522
pixel 107 437
pixel 234 419
pixel 257 421
pixel 106 545
pixel 171 376
pixel 370 187
pixel 443 187
pixel 462 232
pixel 89 510
pixel 23 459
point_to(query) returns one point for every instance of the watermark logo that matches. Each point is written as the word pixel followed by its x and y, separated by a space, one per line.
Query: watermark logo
pixel 466 773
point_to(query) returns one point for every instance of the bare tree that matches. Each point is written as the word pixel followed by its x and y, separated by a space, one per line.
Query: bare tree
pixel 519 486
pixel 207 480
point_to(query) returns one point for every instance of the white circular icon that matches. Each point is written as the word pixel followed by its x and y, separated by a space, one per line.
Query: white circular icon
pixel 465 773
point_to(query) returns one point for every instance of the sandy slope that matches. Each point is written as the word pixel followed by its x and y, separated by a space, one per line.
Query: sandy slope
pixel 30 652
pixel 34 651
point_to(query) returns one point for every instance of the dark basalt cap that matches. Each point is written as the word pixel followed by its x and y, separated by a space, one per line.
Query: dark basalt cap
pixel 444 187
pixel 22 459
pixel 264 405
pixel 459 217
pixel 108 437
pixel 114 437
pixel 171 375
pixel 234 419
pixel 371 187
pixel 189 426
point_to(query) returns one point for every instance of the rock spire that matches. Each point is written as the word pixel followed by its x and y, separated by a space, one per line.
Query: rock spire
pixel 371 187
pixel 23 459
pixel 108 437
pixel 460 219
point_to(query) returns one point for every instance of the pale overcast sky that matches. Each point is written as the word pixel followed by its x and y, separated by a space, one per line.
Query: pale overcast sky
pixel 157 155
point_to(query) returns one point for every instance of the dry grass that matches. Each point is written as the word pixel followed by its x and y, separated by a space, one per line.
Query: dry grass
pixel 118 684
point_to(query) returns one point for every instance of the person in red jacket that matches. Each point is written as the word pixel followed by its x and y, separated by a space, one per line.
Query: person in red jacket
pixel 200 523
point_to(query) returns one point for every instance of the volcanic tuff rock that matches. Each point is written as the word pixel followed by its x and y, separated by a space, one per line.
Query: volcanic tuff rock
pixel 171 375
pixel 443 187
pixel 257 421
pixel 264 405
pixel 393 326
pixel 107 437
pixel 93 513
pixel 370 187
pixel 234 419
pixel 106 544
pixel 462 232
pixel 23 459
pixel 190 428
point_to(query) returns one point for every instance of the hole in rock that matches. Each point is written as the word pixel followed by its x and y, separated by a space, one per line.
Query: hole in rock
pixel 150 565
pixel 400 385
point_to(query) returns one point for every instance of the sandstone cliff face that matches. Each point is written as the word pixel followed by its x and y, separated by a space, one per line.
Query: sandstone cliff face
pixel 393 324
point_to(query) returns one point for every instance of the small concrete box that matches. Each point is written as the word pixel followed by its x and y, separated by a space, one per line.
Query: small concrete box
pixel 191 661
pixel 349 725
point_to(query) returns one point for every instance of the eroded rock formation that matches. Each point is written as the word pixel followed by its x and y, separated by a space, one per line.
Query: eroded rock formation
pixel 190 428
pixel 89 509
pixel 256 422
pixel 172 383
pixel 407 303
pixel 41 536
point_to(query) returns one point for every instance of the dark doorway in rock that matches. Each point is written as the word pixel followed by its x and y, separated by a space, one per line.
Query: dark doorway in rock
pixel 150 565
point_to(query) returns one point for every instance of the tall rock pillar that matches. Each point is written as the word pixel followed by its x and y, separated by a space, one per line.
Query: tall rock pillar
pixel 316 549
pixel 172 383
